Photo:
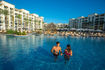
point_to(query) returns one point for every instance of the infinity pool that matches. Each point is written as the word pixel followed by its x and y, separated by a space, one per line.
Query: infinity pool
pixel 33 53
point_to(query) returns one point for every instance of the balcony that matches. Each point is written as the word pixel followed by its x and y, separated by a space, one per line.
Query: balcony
pixel 5 7
pixel 11 12
pixel 0 5
pixel 11 9
pixel 1 24
pixel 102 14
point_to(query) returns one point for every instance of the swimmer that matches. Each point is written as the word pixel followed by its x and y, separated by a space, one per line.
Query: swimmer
pixel 67 53
pixel 56 49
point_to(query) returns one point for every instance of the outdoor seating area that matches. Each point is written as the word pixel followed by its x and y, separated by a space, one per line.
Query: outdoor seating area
pixel 77 33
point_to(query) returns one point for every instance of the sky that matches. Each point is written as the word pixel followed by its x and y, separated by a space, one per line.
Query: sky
pixel 60 11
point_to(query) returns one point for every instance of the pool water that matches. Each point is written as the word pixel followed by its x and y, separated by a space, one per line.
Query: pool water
pixel 34 53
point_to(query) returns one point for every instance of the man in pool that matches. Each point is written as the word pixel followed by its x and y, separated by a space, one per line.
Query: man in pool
pixel 55 50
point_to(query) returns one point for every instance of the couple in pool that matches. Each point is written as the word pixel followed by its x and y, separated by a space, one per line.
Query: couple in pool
pixel 67 52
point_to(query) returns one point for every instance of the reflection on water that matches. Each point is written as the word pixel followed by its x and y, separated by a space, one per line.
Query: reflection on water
pixel 10 43
pixel 33 52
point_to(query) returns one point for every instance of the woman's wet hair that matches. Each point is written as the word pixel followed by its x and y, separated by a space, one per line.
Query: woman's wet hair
pixel 68 46
pixel 57 42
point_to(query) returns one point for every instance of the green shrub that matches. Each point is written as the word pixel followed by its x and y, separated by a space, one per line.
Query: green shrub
pixel 16 32
pixel 23 33
pixel 40 29
pixel 10 31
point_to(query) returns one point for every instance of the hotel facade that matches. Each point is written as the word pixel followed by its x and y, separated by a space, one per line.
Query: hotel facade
pixel 61 26
pixel 18 19
pixel 94 21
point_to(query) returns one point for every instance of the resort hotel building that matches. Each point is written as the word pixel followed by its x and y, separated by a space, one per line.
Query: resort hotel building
pixel 93 22
pixel 18 19
pixel 62 26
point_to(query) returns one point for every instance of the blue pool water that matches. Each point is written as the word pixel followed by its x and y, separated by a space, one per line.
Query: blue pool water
pixel 33 53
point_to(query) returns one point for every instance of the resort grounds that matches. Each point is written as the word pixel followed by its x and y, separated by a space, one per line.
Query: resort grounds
pixel 76 33
pixel 60 33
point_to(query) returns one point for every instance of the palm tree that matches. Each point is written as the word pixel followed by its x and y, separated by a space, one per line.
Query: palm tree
pixel 35 21
pixel 39 22
pixel 19 20
pixel 6 13
pixel 19 16
pixel 30 20
pixel 43 22
pixel 1 11
pixel 13 21
pixel 26 22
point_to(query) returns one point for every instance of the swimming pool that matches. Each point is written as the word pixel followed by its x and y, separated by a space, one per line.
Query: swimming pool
pixel 33 53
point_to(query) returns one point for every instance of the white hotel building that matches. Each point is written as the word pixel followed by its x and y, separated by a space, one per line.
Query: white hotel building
pixel 18 19
pixel 94 21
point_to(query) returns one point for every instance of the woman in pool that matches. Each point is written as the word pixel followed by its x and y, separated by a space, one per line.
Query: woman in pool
pixel 67 53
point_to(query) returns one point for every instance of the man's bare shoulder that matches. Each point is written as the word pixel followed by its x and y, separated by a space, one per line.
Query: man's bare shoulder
pixel 54 46
pixel 59 47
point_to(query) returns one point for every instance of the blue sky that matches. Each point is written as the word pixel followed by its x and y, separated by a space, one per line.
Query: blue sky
pixel 60 11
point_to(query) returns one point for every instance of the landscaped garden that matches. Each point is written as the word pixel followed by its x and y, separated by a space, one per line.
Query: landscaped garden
pixel 16 32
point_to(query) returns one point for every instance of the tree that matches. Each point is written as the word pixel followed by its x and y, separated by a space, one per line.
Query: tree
pixel 43 22
pixel 39 22
pixel 13 20
pixel 19 16
pixel 30 20
pixel 26 20
pixel 35 21
pixel 19 20
pixel 1 11
pixel 5 12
